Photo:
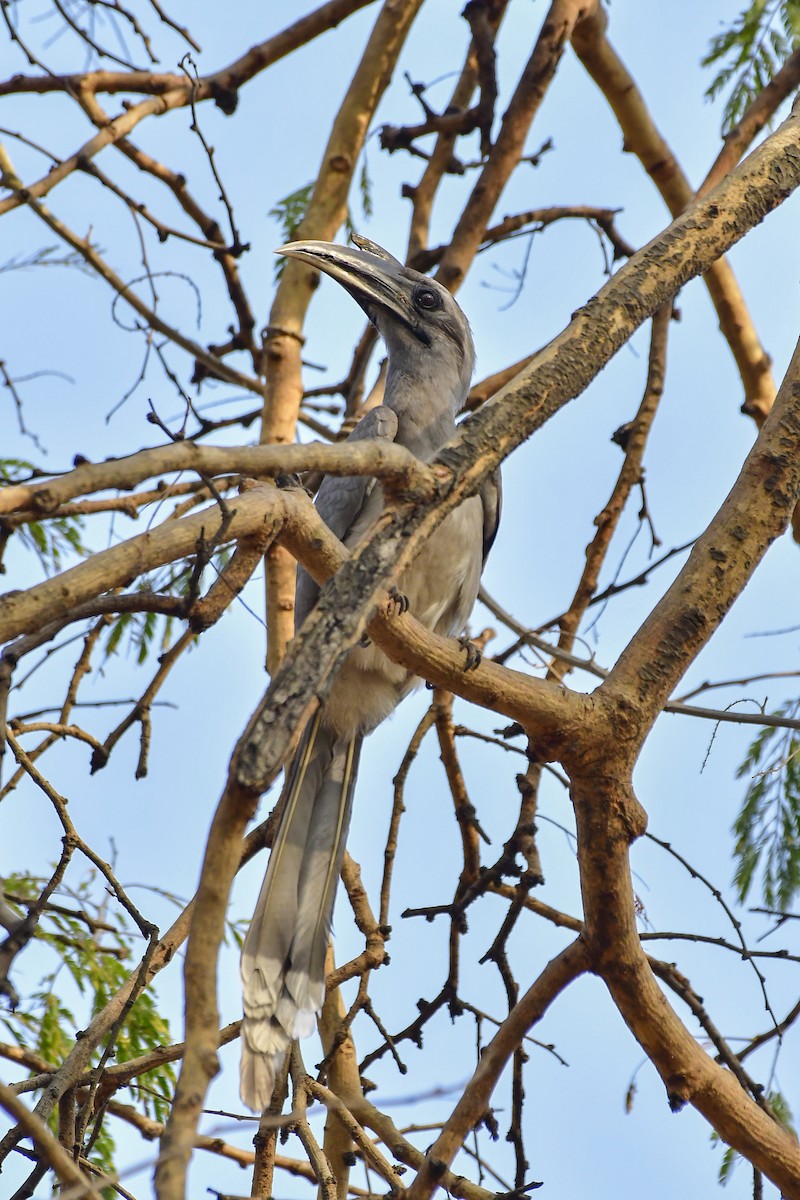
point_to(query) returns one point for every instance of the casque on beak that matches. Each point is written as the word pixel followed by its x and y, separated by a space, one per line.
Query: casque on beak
pixel 372 276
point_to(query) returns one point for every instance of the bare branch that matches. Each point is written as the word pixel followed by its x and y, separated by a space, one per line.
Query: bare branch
pixel 221 86
pixel 643 139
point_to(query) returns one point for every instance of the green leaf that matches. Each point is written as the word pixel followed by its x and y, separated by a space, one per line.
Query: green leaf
pixel 91 942
pixel 767 828
pixel 289 212
pixel 729 1160
pixel 15 470
pixel 53 541
pixel 147 631
pixel 365 189
pixel 750 52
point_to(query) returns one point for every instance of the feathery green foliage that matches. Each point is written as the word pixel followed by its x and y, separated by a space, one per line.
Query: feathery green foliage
pixel 88 940
pixel 52 541
pixel 767 828
pixel 289 213
pixel 750 53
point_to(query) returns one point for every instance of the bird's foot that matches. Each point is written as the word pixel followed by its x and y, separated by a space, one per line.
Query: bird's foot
pixel 473 652
pixel 398 603
pixel 288 481
pixel 398 599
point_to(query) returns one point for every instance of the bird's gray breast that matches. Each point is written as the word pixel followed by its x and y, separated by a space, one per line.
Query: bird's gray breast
pixel 441 585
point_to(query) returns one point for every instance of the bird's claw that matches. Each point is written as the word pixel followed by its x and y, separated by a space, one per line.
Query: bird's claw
pixel 288 481
pixel 472 651
pixel 397 602
pixel 398 599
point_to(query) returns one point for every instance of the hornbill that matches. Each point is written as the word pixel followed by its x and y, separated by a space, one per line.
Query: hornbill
pixel 431 357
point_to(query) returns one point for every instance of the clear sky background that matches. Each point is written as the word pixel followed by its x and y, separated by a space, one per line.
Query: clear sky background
pixel 581 1141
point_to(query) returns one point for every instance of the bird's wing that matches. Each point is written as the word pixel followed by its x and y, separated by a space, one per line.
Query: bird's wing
pixel 491 494
pixel 341 499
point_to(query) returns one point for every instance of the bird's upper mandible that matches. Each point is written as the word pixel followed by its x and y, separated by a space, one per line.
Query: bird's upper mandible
pixel 423 327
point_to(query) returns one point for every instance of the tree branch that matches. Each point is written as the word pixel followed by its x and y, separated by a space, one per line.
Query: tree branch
pixel 643 139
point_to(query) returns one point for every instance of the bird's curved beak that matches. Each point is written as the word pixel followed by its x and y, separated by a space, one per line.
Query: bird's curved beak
pixel 374 280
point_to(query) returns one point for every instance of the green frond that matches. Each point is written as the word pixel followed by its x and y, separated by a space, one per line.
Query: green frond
pixel 767 827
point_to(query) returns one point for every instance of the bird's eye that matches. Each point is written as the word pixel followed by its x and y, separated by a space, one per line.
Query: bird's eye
pixel 427 299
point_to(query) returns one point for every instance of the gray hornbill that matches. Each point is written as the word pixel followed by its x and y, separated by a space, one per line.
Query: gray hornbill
pixel 431 357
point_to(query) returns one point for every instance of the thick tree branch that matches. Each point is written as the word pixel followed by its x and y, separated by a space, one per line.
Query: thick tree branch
pixel 422 195
pixel 757 115
pixel 509 145
pixel 221 86
pixel 52 1153
pixel 557 374
pixel 602 807
pixel 643 139
pixel 756 511
pixel 256 513
pixel 556 976
pixel 324 216
pixel 395 466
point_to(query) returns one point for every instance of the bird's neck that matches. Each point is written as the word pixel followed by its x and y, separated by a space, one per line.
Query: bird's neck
pixel 426 410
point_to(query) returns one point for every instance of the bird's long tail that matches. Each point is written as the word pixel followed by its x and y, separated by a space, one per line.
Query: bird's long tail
pixel 283 960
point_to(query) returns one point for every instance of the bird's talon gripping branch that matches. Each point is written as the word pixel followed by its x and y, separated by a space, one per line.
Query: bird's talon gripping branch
pixel 398 600
pixel 292 480
pixel 473 653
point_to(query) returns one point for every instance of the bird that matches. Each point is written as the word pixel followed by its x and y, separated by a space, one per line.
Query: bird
pixel 431 357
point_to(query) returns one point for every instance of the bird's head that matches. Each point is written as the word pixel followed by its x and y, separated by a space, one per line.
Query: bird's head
pixel 425 331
